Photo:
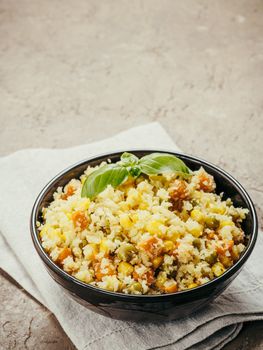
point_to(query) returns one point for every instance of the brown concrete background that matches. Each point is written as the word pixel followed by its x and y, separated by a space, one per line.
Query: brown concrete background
pixel 73 72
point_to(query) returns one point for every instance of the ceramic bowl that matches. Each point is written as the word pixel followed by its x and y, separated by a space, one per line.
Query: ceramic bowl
pixel 146 307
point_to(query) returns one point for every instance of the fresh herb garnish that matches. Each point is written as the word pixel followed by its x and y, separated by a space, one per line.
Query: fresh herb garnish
pixel 161 163
pixel 130 165
pixel 96 182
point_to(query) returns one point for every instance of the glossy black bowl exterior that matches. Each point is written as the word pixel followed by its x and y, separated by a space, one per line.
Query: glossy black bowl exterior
pixel 146 307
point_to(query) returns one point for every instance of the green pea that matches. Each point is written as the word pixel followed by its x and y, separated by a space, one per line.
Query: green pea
pixel 135 287
pixel 126 252
pixel 197 243
pixel 212 223
pixel 211 259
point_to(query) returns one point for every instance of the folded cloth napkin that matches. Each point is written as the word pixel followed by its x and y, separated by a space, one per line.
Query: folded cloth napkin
pixel 22 176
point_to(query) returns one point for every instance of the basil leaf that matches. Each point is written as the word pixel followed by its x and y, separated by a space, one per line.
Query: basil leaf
pixel 159 163
pixel 96 182
pixel 128 159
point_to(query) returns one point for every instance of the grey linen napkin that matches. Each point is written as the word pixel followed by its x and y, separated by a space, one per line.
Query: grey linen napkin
pixel 22 176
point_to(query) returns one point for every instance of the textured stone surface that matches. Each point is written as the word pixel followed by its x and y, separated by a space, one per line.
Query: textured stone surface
pixel 74 72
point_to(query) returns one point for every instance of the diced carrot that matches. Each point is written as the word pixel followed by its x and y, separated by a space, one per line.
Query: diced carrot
pixel 206 182
pixel 227 246
pixel 220 250
pixel 98 272
pixel 179 190
pixel 70 191
pixel 135 275
pixel 171 289
pixel 80 220
pixel 64 254
pixel 150 277
pixel 230 245
pixel 151 246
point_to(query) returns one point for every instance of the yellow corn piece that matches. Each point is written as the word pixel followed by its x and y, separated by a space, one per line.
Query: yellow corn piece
pixel 192 285
pixel 125 221
pixel 219 209
pixel 226 223
pixel 169 246
pixel 54 232
pixel 174 236
pixel 153 227
pixel 160 280
pixel 125 268
pixel 218 269
pixel 157 262
pixel 196 229
pixel 197 215
pixel 105 246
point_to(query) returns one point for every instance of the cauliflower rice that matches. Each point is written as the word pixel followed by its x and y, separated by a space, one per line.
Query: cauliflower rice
pixel 152 235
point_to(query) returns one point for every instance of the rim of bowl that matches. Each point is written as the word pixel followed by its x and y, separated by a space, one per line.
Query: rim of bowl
pixel 228 273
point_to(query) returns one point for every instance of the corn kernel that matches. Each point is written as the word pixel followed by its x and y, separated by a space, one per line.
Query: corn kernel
pixel 105 246
pixel 157 262
pixel 55 232
pixel 195 229
pixel 226 223
pixel 218 269
pixel 160 280
pixel 125 268
pixel 218 209
pixel 135 288
pixel 153 227
pixel 192 285
pixel 184 215
pixel 169 246
pixel 197 215
pixel 174 236
pixel 124 206
pixel 125 221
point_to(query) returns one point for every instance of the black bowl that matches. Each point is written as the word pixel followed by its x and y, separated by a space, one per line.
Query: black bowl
pixel 146 307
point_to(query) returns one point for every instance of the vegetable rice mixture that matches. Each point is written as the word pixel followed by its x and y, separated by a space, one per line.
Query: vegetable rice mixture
pixel 143 226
